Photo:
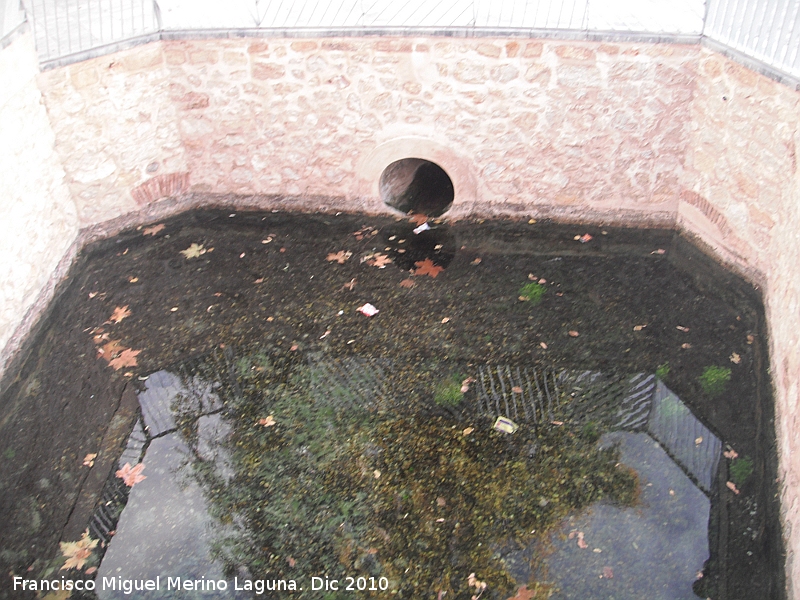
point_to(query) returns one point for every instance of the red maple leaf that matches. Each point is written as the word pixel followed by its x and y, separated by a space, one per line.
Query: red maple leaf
pixel 379 260
pixel 427 267
pixel 120 312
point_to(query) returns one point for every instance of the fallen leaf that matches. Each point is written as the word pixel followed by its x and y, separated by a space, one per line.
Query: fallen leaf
pixel 468 430
pixel 341 256
pixel 543 345
pixel 78 552
pixel 120 312
pixel 88 460
pixel 92 294
pixel 133 279
pixel 516 389
pixel 465 384
pixel 682 328
pixel 153 230
pixel 293 347
pixel 732 487
pixel 131 475
pixel 476 261
pixel 686 346
pixel 698 440
pixel 292 562
pixel 608 573
pixel 193 251
pixel 446 320
pixel 735 358
pixel 581 542
pixel 259 280
pixel 110 350
pixel 368 310
pixel 427 267
pixel 584 238
pixel 750 338
pixel 418 218
pixel 441 501
pixel 126 358
pixel 730 454
pixel 659 251
pixel 639 327
pixel 574 333
pixel 532 277
pixel 349 285
pixel 542 281
pixel 407 283
pixel 380 261
pixel 523 593
pixel 267 421
pixel 376 474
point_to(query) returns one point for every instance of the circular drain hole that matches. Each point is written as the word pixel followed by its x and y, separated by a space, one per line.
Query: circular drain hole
pixel 418 186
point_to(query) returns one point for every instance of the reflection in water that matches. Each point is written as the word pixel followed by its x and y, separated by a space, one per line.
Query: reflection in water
pixel 173 524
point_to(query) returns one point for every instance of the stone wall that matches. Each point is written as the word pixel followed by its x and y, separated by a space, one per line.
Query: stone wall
pixel 38 223
pixel 569 129
pixel 742 198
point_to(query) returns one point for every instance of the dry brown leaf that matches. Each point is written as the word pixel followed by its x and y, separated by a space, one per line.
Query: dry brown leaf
pixel 418 218
pixel 120 312
pixel 379 260
pixel 126 358
pixel 340 257
pixel 88 460
pixel 153 230
pixel 131 475
pixel 732 487
pixel 427 267
pixel 735 358
pixel 573 333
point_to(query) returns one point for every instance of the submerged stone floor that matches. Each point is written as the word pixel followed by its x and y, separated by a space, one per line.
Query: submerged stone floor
pixel 283 433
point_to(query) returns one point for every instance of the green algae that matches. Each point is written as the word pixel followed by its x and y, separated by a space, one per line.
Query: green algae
pixel 714 379
pixel 326 483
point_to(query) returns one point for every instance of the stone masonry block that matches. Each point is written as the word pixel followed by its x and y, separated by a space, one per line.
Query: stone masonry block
pixel 469 72
pixel 580 53
pixel 203 57
pixel 83 75
pixel 268 71
pixel 489 50
pixel 174 56
pixel 304 46
pixel 533 50
pixel 512 49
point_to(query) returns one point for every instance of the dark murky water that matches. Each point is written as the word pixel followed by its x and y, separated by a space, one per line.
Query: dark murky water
pixel 253 429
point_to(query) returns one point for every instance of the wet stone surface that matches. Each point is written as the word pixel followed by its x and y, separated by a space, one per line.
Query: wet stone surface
pixel 209 399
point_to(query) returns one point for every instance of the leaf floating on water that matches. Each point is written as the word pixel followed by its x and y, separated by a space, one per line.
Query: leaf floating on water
pixel 523 593
pixel 581 542
pixel 441 501
pixel 427 267
pixel 120 312
pixel 608 573
pixel 543 345
pixel 686 346
pixel 77 553
pixel 153 230
pixel 735 358
pixel 730 454
pixel 516 389
pixel 698 441
pixel 267 421
pixel 340 257
pixel 468 430
pixel 574 333
pixel 368 310
pixel 194 251
pixel 88 460
pixel 476 261
pixel 131 475
pixel 732 487
pixel 639 327
pixel 682 328
pixel 659 251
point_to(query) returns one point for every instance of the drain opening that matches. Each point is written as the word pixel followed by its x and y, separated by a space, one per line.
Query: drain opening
pixel 418 186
